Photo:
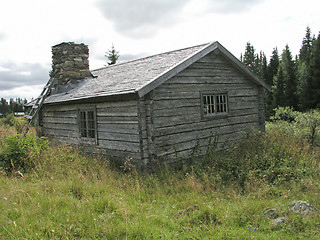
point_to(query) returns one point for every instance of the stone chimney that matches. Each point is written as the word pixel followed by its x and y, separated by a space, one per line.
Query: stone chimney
pixel 70 63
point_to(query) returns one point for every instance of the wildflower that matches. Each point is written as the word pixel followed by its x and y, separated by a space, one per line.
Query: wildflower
pixel 39 220
pixel 185 229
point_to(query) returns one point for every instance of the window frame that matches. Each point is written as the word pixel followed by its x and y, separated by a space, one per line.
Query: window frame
pixel 90 124
pixel 213 105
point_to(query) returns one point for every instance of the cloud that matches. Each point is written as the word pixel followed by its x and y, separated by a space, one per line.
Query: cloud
pixel 2 36
pixel 28 92
pixel 230 6
pixel 13 75
pixel 140 18
pixel 143 18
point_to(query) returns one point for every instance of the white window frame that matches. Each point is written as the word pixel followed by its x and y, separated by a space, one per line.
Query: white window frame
pixel 214 104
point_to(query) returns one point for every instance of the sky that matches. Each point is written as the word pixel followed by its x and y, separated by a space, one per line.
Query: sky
pixel 139 28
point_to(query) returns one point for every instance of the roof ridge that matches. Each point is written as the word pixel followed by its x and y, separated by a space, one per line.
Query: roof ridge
pixel 154 55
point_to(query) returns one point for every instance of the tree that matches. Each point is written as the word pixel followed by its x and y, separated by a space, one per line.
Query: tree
pixel 303 73
pixel 315 74
pixel 249 57
pixel 273 66
pixel 306 48
pixel 272 69
pixel 112 55
pixel 4 106
pixel 278 89
pixel 290 79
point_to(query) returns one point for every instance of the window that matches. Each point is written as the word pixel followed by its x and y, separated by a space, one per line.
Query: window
pixel 214 104
pixel 87 123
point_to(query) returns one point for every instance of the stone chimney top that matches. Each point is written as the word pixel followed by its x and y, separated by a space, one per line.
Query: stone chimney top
pixel 70 63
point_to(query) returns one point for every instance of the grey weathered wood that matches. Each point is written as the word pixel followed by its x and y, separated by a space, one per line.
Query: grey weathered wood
pixel 155 111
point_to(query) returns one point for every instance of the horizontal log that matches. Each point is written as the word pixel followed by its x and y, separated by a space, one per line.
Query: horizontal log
pixel 120 145
pixel 117 119
pixel 112 127
pixel 61 126
pixel 119 137
pixel 60 120
pixel 121 104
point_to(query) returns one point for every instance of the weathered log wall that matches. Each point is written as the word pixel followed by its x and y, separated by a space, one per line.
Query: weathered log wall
pixel 174 122
pixel 117 127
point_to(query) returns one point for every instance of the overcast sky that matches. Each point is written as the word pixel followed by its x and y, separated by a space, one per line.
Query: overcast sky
pixel 138 28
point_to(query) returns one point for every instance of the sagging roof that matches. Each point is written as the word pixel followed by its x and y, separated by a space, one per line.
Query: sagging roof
pixel 143 75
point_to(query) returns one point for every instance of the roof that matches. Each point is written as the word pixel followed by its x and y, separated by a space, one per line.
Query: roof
pixel 143 75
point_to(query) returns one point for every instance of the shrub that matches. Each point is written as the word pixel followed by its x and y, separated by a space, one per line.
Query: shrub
pixel 21 152
pixel 303 125
pixel 12 121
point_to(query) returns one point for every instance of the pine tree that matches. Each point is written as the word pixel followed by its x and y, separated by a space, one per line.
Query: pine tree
pixel 303 86
pixel 4 106
pixel 290 81
pixel 249 57
pixel 273 66
pixel 271 71
pixel 306 48
pixel 112 55
pixel 303 73
pixel 315 74
pixel 278 89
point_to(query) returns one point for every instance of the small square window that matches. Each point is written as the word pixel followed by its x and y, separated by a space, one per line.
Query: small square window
pixel 214 104
pixel 87 123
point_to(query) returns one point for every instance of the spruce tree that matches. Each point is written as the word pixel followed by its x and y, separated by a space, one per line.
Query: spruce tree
pixel 303 72
pixel 278 88
pixel 112 55
pixel 273 66
pixel 272 70
pixel 315 74
pixel 306 48
pixel 290 81
pixel 249 57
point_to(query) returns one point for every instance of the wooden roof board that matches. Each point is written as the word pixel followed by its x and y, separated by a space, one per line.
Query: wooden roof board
pixel 143 75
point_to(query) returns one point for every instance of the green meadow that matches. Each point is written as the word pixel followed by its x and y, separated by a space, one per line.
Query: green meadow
pixel 53 191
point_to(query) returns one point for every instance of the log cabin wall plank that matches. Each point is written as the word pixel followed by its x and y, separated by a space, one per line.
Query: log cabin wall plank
pixel 177 125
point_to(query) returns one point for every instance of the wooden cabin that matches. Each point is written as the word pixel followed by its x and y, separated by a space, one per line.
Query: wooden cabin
pixel 157 108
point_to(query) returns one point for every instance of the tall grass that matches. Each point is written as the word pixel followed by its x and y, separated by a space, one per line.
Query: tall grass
pixel 68 195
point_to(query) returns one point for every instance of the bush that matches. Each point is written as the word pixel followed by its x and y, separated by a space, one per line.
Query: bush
pixel 271 157
pixel 21 152
pixel 10 120
pixel 302 125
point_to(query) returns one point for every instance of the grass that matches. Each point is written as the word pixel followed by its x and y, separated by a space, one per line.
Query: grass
pixel 67 195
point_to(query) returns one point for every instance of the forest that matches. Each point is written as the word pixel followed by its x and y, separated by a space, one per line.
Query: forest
pixel 14 105
pixel 295 80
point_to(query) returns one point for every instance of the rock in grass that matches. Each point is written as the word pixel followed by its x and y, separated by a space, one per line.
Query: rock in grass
pixel 279 221
pixel 271 213
pixel 301 207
